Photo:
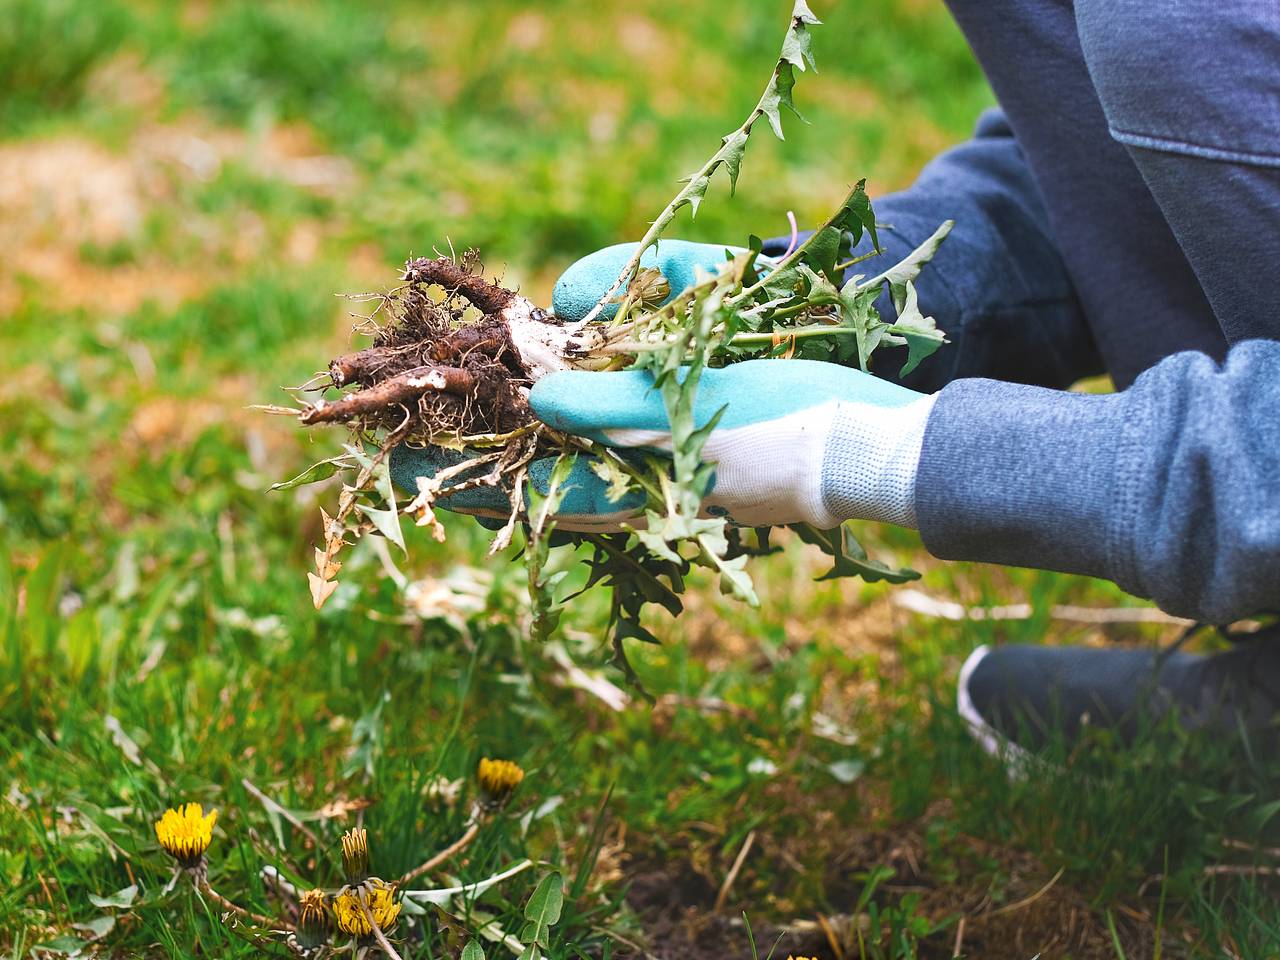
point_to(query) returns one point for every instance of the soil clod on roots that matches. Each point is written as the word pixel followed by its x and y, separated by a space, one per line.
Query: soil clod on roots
pixel 440 367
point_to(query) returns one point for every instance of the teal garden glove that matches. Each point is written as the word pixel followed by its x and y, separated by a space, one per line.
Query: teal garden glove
pixel 586 281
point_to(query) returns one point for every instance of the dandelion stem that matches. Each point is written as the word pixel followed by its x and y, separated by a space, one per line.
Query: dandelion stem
pixel 378 935
pixel 448 852
pixel 797 333
pixel 239 911
pixel 695 187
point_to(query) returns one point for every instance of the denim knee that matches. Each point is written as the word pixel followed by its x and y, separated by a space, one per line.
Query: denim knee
pixel 1193 78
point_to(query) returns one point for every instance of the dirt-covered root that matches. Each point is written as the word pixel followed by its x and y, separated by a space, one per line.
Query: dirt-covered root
pixel 402 390
pixel 456 278
pixel 455 366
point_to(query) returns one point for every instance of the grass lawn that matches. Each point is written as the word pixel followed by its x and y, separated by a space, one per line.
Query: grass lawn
pixel 183 190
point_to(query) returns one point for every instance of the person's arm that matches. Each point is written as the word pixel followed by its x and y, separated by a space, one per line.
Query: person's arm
pixel 1170 488
pixel 997 286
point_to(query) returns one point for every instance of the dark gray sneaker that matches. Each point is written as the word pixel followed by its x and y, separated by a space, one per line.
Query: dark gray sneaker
pixel 1018 699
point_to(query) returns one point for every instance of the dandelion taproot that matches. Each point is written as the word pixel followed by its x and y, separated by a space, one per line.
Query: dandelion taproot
pixel 314 920
pixel 186 832
pixel 379 897
pixel 498 780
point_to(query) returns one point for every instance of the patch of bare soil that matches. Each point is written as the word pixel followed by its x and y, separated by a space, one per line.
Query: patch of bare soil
pixel 989 901
pixel 62 193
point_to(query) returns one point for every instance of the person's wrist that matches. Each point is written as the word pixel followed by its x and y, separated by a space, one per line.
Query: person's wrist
pixel 871 458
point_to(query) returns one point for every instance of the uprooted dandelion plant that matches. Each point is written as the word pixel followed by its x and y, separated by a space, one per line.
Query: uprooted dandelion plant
pixel 453 357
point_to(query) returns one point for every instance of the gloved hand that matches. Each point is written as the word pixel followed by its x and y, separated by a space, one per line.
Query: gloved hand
pixel 799 441
pixel 587 280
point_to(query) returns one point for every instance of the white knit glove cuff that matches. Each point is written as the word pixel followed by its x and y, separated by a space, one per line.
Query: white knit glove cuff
pixel 869 467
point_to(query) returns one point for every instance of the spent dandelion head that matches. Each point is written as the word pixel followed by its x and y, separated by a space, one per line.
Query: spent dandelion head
pixel 314 920
pixel 378 896
pixel 650 288
pixel 185 833
pixel 498 780
pixel 355 854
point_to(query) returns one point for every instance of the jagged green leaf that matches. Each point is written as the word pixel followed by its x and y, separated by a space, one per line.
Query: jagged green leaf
pixel 797 47
pixel 823 251
pixel 314 473
pixel 921 333
pixel 857 309
pixel 856 215
pixel 732 149
pixel 909 267
pixel 542 912
pixel 850 559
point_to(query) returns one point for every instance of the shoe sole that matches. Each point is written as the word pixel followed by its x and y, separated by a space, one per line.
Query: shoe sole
pixel 1016 760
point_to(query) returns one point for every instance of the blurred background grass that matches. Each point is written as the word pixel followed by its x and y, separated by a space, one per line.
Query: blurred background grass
pixel 183 190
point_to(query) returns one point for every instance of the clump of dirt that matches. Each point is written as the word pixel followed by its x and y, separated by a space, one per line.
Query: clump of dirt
pixel 437 367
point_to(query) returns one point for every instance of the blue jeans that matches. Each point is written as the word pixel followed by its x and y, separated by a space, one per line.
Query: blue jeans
pixel 1123 205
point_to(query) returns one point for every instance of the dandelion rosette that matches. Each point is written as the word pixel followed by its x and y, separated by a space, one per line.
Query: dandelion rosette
pixel 379 897
pixel 498 780
pixel 314 920
pixel 186 832
pixel 355 854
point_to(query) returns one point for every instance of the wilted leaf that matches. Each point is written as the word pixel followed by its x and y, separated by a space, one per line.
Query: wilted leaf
pixel 387 523
pixel 321 590
pixel 121 898
pixel 63 946
pixel 97 928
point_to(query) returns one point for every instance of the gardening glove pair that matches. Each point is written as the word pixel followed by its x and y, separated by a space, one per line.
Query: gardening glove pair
pixel 799 441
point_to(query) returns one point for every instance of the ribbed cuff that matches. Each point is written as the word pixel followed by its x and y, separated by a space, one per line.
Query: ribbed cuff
pixel 869 467
pixel 1024 476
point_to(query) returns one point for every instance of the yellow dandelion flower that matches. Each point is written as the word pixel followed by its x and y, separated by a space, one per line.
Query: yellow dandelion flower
pixel 314 920
pixel 355 854
pixel 379 897
pixel 498 779
pixel 185 833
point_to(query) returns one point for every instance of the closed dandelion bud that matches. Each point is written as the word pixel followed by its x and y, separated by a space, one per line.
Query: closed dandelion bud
pixel 186 832
pixel 498 780
pixel 379 900
pixel 650 287
pixel 355 854
pixel 314 920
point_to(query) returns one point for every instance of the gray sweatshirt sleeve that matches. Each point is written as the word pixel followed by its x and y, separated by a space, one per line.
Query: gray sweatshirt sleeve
pixel 1170 488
